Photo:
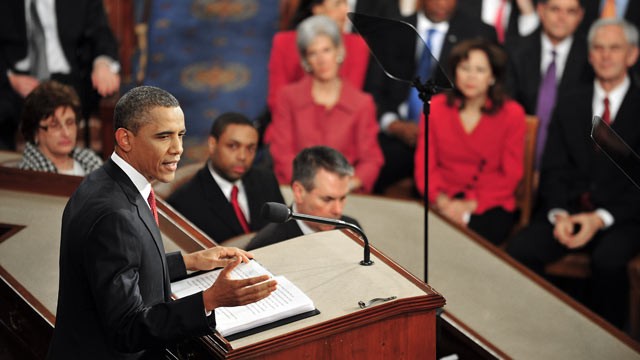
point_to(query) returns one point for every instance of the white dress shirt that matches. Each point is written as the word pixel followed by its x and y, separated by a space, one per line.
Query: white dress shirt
pixel 226 186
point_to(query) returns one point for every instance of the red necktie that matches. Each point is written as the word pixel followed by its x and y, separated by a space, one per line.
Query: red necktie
pixel 152 204
pixel 238 211
pixel 606 115
pixel 498 24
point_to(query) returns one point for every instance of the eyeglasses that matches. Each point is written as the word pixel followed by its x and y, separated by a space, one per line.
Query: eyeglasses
pixel 57 125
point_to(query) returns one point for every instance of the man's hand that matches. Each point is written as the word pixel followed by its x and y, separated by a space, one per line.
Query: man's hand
pixel 103 79
pixel 228 292
pixel 219 256
pixel 589 224
pixel 23 84
pixel 406 131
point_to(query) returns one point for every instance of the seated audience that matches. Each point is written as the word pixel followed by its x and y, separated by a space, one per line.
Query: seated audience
pixel 323 109
pixel 320 186
pixel 585 202
pixel 284 61
pixel 225 197
pixel 476 144
pixel 551 61
pixel 441 25
pixel 49 125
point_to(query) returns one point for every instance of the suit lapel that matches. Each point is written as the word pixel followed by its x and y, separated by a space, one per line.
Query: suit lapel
pixel 218 203
pixel 254 197
pixel 144 213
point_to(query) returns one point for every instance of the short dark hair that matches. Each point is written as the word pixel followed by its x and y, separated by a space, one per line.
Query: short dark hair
pixel 42 102
pixel 497 61
pixel 133 108
pixel 310 160
pixel 221 122
pixel 304 10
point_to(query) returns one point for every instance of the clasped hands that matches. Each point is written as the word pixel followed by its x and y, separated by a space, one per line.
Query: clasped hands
pixel 226 291
pixel 575 231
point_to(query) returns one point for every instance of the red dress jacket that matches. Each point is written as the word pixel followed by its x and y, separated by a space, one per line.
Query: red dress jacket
pixel 285 66
pixel 349 127
pixel 485 165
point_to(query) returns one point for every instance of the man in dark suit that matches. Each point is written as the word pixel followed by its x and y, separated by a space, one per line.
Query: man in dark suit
pixel 398 124
pixel 75 46
pixel 510 18
pixel 114 292
pixel 555 46
pixel 320 185
pixel 585 202
pixel 207 200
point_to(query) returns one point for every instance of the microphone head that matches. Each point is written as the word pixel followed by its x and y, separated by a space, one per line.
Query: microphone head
pixel 275 212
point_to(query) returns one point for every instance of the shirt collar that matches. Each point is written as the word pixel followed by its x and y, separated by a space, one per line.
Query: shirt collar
pixel 614 95
pixel 139 181
pixel 306 230
pixel 224 184
pixel 561 49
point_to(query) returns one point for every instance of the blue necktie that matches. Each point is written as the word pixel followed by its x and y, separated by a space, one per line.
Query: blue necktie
pixel 424 72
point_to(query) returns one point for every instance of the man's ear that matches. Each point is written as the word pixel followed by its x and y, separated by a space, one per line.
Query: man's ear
pixel 298 191
pixel 123 139
pixel 212 142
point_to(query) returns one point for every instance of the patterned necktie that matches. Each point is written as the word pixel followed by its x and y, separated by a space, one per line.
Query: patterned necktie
pixel 424 72
pixel 37 45
pixel 609 9
pixel 498 23
pixel 606 114
pixel 546 102
pixel 236 208
pixel 152 204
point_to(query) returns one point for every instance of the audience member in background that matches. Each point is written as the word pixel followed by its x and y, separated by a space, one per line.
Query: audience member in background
pixel 585 202
pixel 284 62
pixel 225 197
pixel 49 126
pixel 476 144
pixel 389 9
pixel 512 19
pixel 324 109
pixel 549 62
pixel 399 107
pixel 64 40
pixel 320 186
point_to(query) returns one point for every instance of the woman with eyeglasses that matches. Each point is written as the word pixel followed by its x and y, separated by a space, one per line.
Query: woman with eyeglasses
pixel 49 125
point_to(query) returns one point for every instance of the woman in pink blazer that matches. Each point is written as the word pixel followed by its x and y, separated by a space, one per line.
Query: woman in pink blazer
pixel 323 109
pixel 476 144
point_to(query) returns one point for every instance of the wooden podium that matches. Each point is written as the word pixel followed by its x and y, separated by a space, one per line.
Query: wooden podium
pixel 325 266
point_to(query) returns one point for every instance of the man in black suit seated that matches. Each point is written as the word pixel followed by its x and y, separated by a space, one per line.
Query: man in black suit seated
pixel 552 60
pixel 225 197
pixel 442 26
pixel 320 185
pixel 584 201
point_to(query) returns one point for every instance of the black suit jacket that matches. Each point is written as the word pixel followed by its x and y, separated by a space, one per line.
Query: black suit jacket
pixel 383 8
pixel 114 292
pixel 524 76
pixel 389 93
pixel 571 164
pixel 202 202
pixel 277 232
pixel 474 9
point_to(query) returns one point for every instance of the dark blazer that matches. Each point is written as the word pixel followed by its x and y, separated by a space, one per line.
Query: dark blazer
pixel 384 8
pixel 114 292
pixel 389 93
pixel 592 13
pixel 523 70
pixel 474 9
pixel 202 202
pixel 277 232
pixel 571 164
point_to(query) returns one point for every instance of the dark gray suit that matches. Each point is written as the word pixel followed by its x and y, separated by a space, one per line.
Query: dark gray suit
pixel 202 202
pixel 114 293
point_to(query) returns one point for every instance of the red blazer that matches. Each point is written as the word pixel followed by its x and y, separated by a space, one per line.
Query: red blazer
pixel 485 165
pixel 285 66
pixel 349 127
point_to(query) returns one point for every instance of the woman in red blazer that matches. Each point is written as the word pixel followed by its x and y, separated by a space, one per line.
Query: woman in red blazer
pixel 476 144
pixel 322 109
pixel 284 61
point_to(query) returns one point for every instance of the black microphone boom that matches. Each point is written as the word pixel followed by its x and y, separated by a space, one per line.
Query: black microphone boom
pixel 280 213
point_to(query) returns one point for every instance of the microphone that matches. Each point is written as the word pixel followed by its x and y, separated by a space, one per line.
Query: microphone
pixel 280 213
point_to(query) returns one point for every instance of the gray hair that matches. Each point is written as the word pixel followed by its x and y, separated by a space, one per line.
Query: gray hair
pixel 313 27
pixel 132 110
pixel 630 31
pixel 310 160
